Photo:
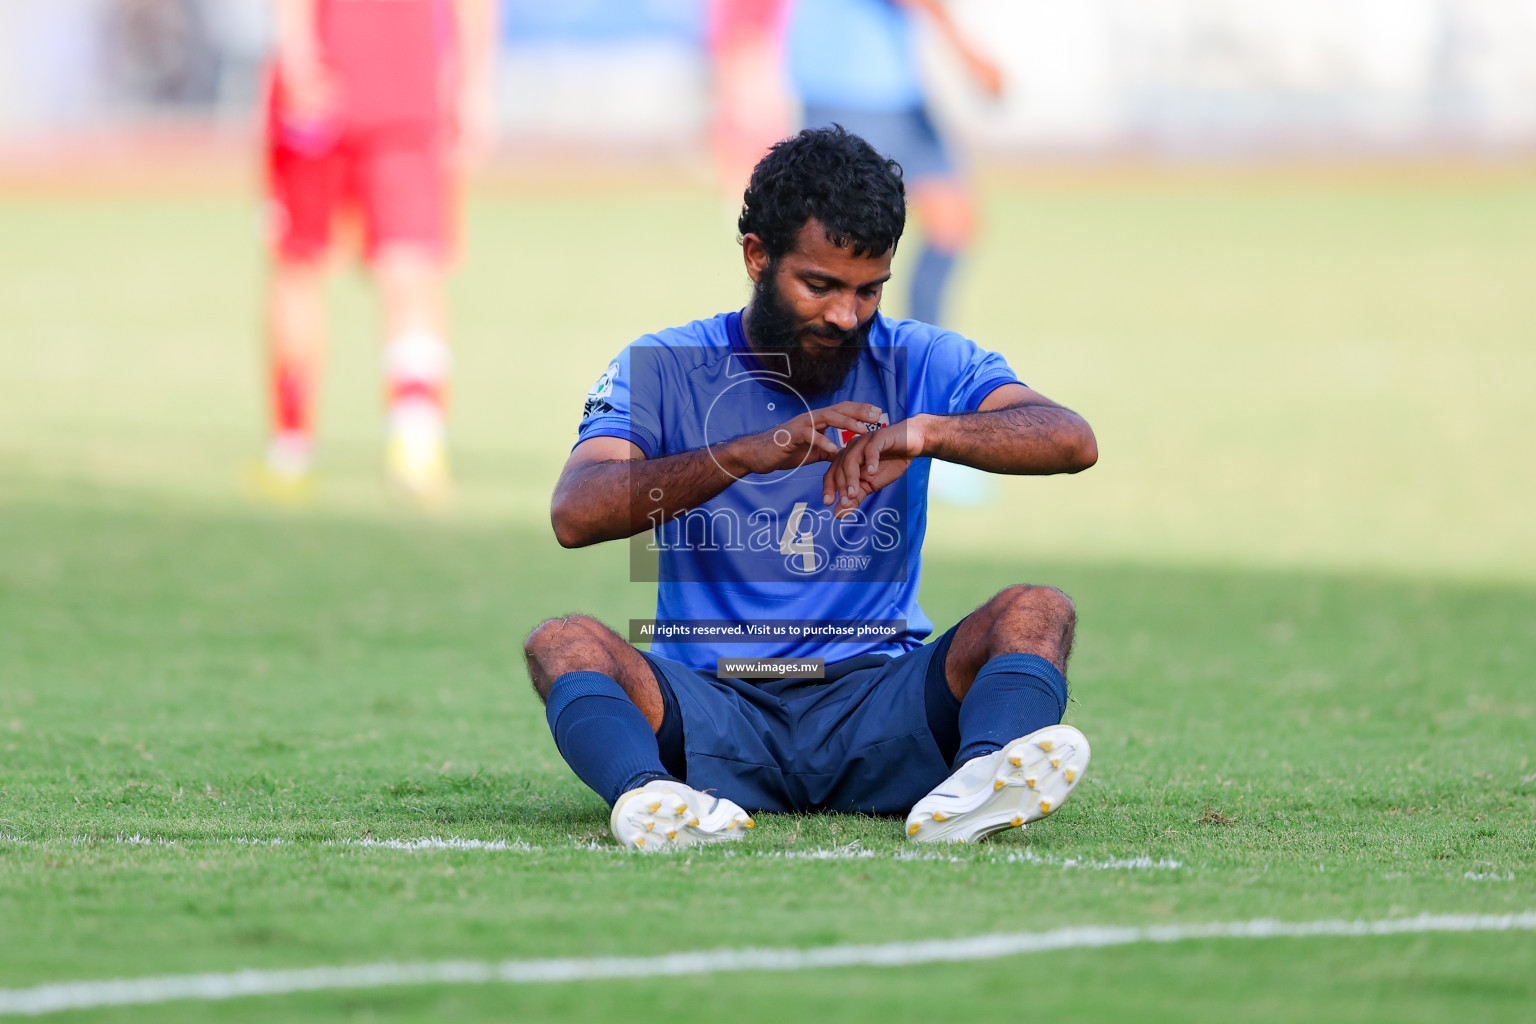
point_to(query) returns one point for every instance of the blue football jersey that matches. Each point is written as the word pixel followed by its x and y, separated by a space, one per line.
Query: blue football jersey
pixel 766 551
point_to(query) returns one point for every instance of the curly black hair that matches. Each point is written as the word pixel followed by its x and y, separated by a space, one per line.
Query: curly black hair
pixel 831 175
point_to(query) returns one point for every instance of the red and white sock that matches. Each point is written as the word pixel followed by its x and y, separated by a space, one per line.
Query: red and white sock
pixel 417 366
pixel 289 451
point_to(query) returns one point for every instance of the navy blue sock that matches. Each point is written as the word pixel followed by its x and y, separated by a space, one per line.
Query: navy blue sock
pixel 602 735
pixel 1013 695
pixel 928 281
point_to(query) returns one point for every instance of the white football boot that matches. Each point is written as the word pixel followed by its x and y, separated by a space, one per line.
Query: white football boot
pixel 665 815
pixel 416 455
pixel 1008 788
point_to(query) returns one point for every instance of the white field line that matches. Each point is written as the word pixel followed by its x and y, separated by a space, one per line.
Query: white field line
pixel 854 851
pixel 437 843
pixel 79 995
pixel 848 851
pixel 422 843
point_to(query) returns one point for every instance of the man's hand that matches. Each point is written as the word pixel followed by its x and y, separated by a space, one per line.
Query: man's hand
pixel 1014 430
pixel 872 461
pixel 310 90
pixel 984 72
pixel 795 442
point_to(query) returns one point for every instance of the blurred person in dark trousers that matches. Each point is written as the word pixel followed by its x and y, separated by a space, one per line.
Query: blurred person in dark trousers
pixel 373 105
pixel 853 63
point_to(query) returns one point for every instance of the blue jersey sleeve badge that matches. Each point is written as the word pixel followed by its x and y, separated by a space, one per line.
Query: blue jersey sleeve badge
pixel 598 395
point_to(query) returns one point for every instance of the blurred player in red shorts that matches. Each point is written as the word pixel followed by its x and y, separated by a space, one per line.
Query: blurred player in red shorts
pixel 372 104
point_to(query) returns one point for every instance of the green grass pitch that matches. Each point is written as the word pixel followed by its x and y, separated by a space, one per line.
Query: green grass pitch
pixel 1305 569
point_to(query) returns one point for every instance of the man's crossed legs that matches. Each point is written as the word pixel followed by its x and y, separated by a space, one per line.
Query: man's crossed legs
pixel 997 757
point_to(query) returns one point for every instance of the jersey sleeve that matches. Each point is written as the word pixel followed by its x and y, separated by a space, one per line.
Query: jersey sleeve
pixel 625 402
pixel 967 373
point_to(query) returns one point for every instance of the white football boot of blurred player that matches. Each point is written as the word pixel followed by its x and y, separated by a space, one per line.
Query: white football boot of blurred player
pixel 416 452
pixel 286 473
pixel 665 815
pixel 1008 788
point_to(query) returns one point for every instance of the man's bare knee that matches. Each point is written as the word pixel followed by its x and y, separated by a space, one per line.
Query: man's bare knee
pixel 1042 603
pixel 572 643
pixel 1033 620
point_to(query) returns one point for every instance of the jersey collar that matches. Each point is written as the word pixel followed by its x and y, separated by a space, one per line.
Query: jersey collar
pixel 749 359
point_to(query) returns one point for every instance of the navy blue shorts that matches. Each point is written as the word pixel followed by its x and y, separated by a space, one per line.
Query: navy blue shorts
pixel 866 738
pixel 906 136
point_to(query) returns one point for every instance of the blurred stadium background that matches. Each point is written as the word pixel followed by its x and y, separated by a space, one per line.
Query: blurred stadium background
pixel 1101 77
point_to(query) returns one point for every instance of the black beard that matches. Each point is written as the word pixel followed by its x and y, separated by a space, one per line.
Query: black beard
pixel 773 329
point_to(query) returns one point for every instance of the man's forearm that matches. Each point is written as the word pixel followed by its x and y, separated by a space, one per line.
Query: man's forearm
pixel 944 22
pixel 601 501
pixel 1021 439
pixel 939 14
